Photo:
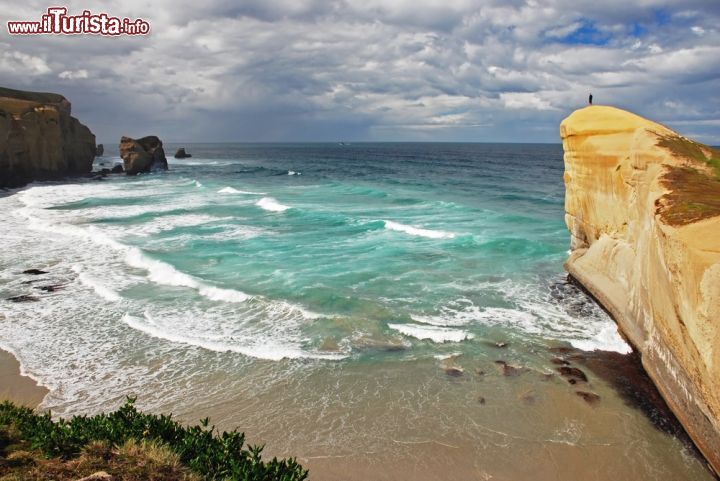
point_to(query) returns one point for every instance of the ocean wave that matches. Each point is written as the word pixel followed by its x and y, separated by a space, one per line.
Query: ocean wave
pixel 167 223
pixel 232 190
pixel 165 274
pixel 272 205
pixel 433 333
pixel 416 231
pixel 159 272
pixel 99 288
pixel 292 172
pixel 257 347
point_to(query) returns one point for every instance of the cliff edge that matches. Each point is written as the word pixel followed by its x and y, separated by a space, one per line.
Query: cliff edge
pixel 39 139
pixel 642 205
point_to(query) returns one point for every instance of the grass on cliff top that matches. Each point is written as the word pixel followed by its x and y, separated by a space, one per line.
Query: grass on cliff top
pixel 694 192
pixel 693 151
pixel 129 445
pixel 42 97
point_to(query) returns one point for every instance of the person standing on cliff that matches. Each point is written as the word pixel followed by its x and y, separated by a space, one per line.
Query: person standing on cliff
pixel 590 99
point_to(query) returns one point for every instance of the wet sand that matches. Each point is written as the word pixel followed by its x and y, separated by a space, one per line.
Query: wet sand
pixel 16 387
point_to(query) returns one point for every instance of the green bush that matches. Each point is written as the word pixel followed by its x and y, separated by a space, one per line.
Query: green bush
pixel 211 454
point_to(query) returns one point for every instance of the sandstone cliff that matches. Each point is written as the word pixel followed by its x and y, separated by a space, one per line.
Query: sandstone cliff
pixel 39 139
pixel 142 155
pixel 643 208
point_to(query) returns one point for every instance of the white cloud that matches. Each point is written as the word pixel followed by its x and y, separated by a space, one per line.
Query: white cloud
pixel 72 75
pixel 271 69
pixel 525 100
pixel 12 61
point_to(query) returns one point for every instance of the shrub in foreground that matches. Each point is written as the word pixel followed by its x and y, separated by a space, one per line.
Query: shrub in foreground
pixel 212 454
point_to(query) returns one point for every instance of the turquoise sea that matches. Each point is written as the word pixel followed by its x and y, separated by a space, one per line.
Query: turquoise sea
pixel 380 311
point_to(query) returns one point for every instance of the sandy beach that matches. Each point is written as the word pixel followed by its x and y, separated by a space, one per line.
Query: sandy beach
pixel 16 387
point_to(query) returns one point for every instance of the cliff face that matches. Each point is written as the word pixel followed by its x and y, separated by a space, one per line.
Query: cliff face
pixel 39 139
pixel 643 208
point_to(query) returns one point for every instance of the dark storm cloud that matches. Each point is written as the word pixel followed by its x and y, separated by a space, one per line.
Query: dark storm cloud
pixel 386 70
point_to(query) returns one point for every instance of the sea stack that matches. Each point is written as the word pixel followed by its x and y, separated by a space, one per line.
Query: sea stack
pixel 642 205
pixel 40 140
pixel 142 155
pixel 181 154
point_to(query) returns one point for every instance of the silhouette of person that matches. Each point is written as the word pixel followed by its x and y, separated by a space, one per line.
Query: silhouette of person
pixel 590 99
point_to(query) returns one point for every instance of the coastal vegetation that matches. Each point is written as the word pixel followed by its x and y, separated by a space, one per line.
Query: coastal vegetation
pixel 129 445
pixel 694 189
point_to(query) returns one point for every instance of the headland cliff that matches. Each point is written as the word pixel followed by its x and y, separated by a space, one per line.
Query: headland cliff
pixel 40 139
pixel 643 208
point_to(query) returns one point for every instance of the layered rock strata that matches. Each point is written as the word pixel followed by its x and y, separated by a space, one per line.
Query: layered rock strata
pixel 40 139
pixel 643 208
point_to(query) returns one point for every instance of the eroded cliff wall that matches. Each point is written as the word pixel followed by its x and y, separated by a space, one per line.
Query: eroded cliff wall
pixel 643 208
pixel 39 139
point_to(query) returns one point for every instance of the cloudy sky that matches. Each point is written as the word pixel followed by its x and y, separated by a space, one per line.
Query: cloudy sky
pixel 430 70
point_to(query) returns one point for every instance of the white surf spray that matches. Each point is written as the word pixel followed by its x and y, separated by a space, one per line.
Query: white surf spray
pixel 432 333
pixel 271 205
pixel 233 190
pixel 417 231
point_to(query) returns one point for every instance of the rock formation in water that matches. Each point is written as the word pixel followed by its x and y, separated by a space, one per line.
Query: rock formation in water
pixel 39 139
pixel 643 207
pixel 181 154
pixel 142 155
pixel 100 150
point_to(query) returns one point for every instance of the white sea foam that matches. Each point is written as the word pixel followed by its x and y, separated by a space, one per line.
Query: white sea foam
pixel 534 312
pixel 158 271
pixel 445 357
pixel 198 184
pixel 417 231
pixel 272 205
pixel 99 288
pixel 433 333
pixel 236 232
pixel 224 295
pixel 232 190
pixel 164 273
pixel 166 223
pixel 606 339
pixel 253 346
pixel 292 172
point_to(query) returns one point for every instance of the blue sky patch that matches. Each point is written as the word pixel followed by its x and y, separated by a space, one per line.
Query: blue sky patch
pixel 586 34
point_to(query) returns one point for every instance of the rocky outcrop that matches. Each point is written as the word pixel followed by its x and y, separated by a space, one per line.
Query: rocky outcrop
pixel 142 155
pixel 100 150
pixel 643 208
pixel 39 139
pixel 181 154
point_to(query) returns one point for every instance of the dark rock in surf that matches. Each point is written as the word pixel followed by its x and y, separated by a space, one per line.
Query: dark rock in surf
pixel 35 272
pixel 23 298
pixel 51 288
pixel 573 375
pixel 527 397
pixel 508 369
pixel 589 397
pixel 181 154
pixel 560 361
pixel 454 371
